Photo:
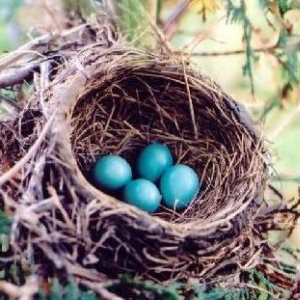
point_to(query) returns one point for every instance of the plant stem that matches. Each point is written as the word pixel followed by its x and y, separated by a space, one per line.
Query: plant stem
pixel 171 25
pixel 266 49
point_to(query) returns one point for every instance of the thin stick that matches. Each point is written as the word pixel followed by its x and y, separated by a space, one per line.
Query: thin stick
pixel 15 76
pixel 172 23
pixel 101 291
pixel 266 49
pixel 285 124
pixel 58 204
pixel 25 292
pixel 14 56
pixel 195 128
pixel 160 34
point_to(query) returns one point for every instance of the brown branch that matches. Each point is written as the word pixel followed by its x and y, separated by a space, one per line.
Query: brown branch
pixel 171 25
pixel 25 292
pixel 265 49
pixel 15 76
pixel 33 48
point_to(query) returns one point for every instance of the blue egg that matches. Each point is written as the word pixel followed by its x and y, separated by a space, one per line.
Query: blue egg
pixel 153 161
pixel 111 172
pixel 143 194
pixel 179 186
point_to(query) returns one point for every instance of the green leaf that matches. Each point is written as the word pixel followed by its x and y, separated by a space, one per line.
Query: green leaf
pixel 284 6
pixel 72 291
pixel 5 223
pixel 235 12
pixel 56 290
pixel 290 46
pixel 238 14
pixel 41 295
pixel 88 296
pixel 219 293
pixel 159 292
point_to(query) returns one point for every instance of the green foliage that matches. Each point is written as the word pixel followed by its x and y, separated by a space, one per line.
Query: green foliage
pixel 10 270
pixel 158 10
pixel 288 56
pixel 289 44
pixel 287 48
pixel 128 16
pixel 284 6
pixel 146 289
pixel 263 282
pixel 254 286
pixel 288 269
pixel 218 293
pixel 238 14
pixel 5 224
pixel 57 290
pixel 69 291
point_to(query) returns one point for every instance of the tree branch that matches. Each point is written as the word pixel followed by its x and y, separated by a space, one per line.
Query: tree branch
pixel 171 25
pixel 265 49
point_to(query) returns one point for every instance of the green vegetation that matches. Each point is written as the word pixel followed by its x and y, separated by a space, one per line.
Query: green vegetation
pixel 5 223
pixel 238 14
pixel 69 291
pixel 130 288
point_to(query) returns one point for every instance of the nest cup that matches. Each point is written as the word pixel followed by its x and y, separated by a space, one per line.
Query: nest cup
pixel 117 102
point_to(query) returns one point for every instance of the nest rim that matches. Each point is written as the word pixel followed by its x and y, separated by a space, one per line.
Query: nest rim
pixel 81 78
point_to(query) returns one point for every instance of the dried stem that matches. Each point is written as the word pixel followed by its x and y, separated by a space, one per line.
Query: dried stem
pixel 264 49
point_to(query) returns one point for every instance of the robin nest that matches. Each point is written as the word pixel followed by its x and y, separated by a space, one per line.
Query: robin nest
pixel 116 100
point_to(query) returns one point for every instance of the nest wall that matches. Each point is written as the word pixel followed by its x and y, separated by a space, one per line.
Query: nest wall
pixel 117 101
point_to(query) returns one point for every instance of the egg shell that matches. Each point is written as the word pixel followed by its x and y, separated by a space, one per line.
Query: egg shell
pixel 112 172
pixel 143 194
pixel 179 186
pixel 153 160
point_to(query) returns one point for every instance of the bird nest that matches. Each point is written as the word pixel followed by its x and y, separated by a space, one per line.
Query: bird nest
pixel 116 100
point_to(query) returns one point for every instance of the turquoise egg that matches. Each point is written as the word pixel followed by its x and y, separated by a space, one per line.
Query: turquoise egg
pixel 179 185
pixel 111 172
pixel 153 161
pixel 143 194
